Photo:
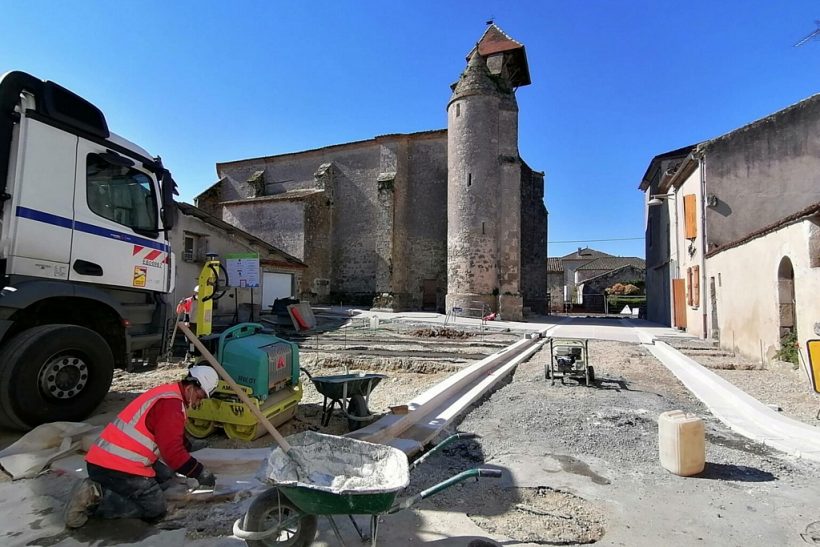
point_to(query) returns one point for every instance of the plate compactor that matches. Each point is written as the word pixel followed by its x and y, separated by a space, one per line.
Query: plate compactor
pixel 265 366
pixel 267 369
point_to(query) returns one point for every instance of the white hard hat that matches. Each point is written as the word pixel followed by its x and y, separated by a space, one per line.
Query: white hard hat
pixel 205 376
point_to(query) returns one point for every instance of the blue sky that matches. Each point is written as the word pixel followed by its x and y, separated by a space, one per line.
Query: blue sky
pixel 614 82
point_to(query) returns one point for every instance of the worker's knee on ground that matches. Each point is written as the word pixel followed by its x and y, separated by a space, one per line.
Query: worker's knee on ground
pixel 152 501
pixel 155 508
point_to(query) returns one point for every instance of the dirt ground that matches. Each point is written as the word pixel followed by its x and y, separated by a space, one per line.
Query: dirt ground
pixel 581 462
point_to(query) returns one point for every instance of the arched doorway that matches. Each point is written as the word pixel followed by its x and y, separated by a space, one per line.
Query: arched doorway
pixel 785 294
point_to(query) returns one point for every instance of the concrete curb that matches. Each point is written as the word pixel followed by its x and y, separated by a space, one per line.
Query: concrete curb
pixel 736 408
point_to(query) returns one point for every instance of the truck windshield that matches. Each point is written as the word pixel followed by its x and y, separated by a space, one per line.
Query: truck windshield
pixel 122 194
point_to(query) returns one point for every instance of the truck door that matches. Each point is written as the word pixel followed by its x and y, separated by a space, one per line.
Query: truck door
pixel 116 239
pixel 42 204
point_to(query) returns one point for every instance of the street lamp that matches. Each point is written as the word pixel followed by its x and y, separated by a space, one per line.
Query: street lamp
pixel 658 199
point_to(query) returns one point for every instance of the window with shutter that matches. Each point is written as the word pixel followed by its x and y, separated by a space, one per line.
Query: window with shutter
pixel 690 216
pixel 695 286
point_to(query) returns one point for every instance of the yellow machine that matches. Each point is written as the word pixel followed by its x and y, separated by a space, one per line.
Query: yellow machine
pixel 265 366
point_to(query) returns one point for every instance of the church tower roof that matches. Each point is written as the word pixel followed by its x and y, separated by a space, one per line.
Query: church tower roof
pixel 493 41
pixel 475 80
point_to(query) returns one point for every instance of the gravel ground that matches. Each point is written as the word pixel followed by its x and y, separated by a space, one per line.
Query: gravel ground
pixel 613 427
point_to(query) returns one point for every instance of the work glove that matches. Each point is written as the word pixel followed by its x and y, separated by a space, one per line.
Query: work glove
pixel 206 479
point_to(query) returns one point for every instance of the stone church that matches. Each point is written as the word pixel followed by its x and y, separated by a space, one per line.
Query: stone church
pixel 431 220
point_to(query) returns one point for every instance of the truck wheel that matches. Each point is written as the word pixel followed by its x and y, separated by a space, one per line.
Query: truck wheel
pixel 53 373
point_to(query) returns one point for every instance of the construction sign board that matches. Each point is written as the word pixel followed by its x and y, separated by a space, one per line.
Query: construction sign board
pixel 813 349
pixel 243 269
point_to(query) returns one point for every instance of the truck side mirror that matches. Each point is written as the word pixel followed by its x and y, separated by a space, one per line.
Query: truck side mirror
pixel 813 349
pixel 169 205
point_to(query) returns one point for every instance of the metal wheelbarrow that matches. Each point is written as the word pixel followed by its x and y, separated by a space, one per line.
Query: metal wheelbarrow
pixel 337 476
pixel 351 392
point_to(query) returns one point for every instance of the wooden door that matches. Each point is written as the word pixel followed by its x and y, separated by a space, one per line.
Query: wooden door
pixel 679 302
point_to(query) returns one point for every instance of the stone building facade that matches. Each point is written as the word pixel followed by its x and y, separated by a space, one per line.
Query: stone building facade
pixel 425 220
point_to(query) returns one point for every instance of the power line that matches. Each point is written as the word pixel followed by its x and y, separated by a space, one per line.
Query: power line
pixel 595 240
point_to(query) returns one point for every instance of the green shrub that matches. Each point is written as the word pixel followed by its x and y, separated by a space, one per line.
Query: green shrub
pixel 788 349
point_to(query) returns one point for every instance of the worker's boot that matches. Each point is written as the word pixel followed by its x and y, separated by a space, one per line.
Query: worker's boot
pixel 85 496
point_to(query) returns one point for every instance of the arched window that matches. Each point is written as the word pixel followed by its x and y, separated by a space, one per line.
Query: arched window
pixel 785 296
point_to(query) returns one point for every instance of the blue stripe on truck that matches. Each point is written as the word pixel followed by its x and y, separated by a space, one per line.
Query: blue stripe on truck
pixel 63 222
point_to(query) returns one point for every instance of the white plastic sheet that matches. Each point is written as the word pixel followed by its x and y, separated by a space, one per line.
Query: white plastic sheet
pixel 35 450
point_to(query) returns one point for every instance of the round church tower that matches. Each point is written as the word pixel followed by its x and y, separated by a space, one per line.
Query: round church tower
pixel 484 178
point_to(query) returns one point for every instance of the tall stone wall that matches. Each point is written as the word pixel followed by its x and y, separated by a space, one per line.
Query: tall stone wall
pixel 358 224
pixel 533 240
pixel 421 224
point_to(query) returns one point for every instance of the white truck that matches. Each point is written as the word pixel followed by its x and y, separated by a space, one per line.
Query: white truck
pixel 85 258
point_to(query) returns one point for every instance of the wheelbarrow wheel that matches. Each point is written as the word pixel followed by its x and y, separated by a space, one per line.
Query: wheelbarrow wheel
pixel 357 407
pixel 267 511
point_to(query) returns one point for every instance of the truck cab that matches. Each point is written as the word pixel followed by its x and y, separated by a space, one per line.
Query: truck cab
pixel 85 260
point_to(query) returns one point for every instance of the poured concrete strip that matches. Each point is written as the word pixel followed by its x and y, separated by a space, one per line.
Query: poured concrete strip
pixel 386 429
pixel 737 409
pixel 415 438
pixel 435 408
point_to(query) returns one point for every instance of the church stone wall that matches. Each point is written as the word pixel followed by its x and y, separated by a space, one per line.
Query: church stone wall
pixel 280 223
pixel 533 240
pixel 368 218
pixel 421 223
pixel 356 223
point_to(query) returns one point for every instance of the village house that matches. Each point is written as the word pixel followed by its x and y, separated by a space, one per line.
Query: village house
pixel 733 234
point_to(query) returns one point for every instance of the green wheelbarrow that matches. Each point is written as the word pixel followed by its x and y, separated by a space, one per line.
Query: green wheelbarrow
pixel 351 392
pixel 336 476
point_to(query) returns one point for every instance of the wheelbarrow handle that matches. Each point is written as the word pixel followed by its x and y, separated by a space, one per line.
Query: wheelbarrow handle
pixel 443 485
pixel 309 375
pixel 449 440
pixel 489 473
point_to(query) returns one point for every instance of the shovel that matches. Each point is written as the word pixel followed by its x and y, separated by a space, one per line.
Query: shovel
pixel 280 440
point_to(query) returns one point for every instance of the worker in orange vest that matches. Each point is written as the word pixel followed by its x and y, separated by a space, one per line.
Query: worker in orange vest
pixel 124 472
pixel 186 305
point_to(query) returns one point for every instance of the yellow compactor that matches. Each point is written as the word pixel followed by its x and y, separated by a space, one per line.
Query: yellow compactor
pixel 265 366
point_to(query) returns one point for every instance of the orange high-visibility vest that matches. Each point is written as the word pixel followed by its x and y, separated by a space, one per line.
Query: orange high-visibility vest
pixel 185 305
pixel 126 444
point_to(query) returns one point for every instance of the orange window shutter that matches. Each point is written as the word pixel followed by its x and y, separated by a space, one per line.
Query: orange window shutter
pixel 696 286
pixel 690 216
